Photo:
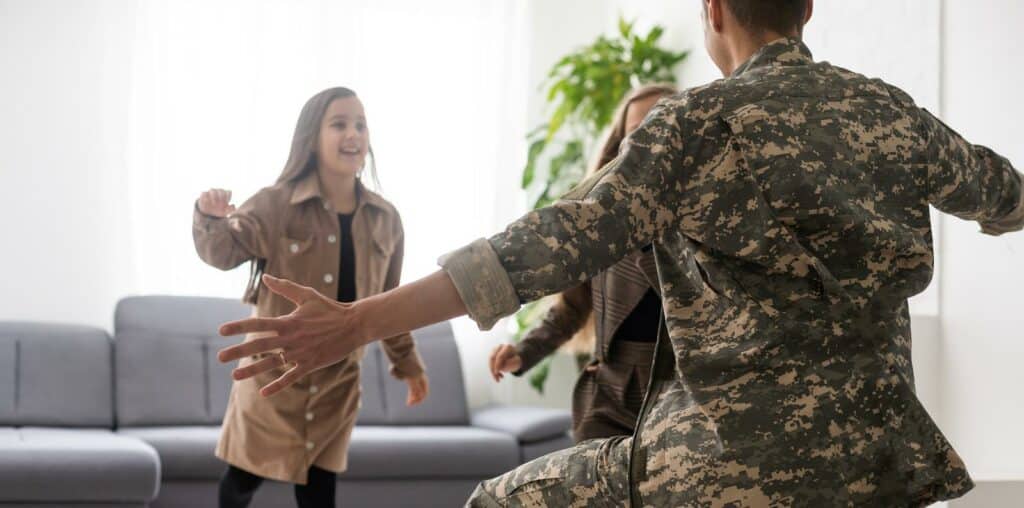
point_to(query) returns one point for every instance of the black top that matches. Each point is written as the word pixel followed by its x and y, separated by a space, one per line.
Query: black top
pixel 642 324
pixel 347 268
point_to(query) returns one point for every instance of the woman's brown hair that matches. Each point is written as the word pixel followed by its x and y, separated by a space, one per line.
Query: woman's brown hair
pixel 617 132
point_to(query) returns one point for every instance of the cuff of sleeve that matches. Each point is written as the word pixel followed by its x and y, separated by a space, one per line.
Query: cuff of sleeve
pixel 1013 221
pixel 200 220
pixel 482 282
pixel 409 366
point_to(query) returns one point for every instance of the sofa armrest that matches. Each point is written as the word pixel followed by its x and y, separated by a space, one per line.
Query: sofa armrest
pixel 527 424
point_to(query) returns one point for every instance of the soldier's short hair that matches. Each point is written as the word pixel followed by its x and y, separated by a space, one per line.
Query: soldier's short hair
pixel 780 16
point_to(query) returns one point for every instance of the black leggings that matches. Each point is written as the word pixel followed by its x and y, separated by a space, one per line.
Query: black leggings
pixel 237 487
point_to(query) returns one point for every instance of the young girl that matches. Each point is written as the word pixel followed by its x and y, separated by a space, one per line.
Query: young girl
pixel 318 225
pixel 617 309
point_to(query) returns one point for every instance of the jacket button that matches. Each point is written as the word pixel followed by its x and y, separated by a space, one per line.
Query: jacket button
pixel 309 445
pixel 309 417
pixel 313 389
pixel 332 239
pixel 328 278
pixel 294 248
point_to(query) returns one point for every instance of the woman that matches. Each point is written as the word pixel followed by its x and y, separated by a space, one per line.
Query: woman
pixel 618 310
pixel 320 225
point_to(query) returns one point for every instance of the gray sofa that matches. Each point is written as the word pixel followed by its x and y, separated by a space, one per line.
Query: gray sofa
pixel 86 420
pixel 56 415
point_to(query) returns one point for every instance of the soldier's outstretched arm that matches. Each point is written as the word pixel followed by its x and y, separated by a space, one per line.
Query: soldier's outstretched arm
pixel 971 181
pixel 625 206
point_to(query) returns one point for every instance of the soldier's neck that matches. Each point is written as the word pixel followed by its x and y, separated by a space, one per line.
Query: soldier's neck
pixel 744 45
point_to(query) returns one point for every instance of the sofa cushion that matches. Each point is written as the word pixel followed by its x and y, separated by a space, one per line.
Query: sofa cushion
pixel 186 452
pixel 527 424
pixel 166 368
pixel 56 375
pixel 48 465
pixel 376 452
pixel 380 452
pixel 446 404
pixel 538 449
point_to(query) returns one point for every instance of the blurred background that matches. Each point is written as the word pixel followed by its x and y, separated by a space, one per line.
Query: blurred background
pixel 116 114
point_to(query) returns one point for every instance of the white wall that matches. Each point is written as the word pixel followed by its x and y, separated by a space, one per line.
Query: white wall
pixel 62 87
pixel 982 316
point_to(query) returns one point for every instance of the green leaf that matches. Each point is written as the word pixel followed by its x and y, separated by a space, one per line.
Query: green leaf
pixel 557 119
pixel 654 35
pixel 625 28
pixel 539 374
pixel 536 148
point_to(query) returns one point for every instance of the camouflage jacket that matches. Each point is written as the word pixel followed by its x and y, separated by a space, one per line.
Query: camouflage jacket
pixel 788 207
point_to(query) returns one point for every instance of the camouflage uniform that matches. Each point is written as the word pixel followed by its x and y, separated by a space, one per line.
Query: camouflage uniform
pixel 788 210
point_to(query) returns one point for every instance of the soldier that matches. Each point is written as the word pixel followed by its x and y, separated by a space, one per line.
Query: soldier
pixel 787 206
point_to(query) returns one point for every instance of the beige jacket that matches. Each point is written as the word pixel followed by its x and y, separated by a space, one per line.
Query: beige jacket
pixel 295 230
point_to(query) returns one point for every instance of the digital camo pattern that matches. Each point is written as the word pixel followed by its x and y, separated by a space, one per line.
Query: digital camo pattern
pixel 587 475
pixel 788 210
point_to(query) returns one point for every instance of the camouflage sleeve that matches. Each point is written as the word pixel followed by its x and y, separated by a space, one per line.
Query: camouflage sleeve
pixel 612 214
pixel 566 317
pixel 971 181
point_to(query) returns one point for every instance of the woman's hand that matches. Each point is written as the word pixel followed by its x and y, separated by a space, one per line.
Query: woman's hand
pixel 318 333
pixel 216 203
pixel 419 388
pixel 504 358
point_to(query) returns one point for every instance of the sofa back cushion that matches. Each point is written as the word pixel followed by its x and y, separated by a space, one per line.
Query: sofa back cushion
pixel 55 375
pixel 165 359
pixel 446 404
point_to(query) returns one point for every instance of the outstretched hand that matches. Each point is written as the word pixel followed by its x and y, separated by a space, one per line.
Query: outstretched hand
pixel 504 358
pixel 318 333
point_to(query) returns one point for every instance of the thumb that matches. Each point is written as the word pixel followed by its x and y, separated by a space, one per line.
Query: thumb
pixel 296 293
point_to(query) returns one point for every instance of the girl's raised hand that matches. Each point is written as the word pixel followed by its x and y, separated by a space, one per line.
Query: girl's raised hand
pixel 216 203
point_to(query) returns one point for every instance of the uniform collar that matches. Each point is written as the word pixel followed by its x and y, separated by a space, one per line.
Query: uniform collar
pixel 308 187
pixel 784 51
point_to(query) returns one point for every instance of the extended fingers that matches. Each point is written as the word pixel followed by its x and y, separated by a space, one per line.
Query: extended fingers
pixel 269 363
pixel 252 347
pixel 287 379
pixel 256 324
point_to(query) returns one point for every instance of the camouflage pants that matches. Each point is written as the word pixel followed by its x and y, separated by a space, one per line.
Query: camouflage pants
pixel 593 473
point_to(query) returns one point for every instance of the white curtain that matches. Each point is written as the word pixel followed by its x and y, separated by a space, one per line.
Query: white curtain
pixel 217 88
